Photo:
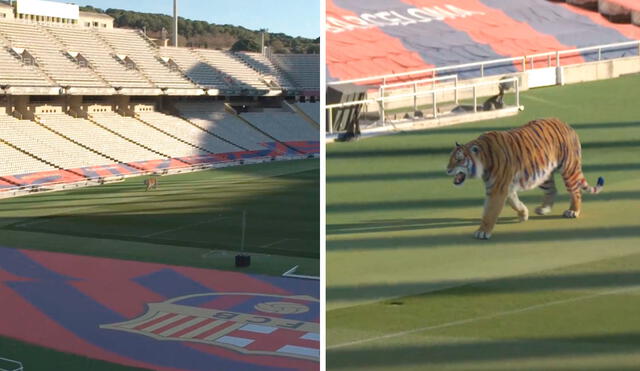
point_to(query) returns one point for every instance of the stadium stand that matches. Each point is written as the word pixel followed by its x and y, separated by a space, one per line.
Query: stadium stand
pixel 310 109
pixel 269 70
pixel 201 73
pixel 187 132
pixel 223 125
pixel 302 69
pixel 92 136
pixel 101 58
pixel 49 55
pixel 17 162
pixel 238 73
pixel 587 4
pixel 45 144
pixel 17 72
pixel 145 135
pixel 620 10
pixel 131 44
pixel 284 126
pixel 469 31
pixel 86 103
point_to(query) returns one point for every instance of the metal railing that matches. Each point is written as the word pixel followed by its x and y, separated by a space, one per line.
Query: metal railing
pixel 481 66
pixel 432 92
pixel 415 84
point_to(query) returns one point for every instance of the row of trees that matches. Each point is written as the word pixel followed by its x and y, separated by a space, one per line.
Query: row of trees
pixel 202 34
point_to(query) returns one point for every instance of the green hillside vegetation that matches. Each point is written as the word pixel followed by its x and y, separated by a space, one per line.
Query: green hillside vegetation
pixel 201 34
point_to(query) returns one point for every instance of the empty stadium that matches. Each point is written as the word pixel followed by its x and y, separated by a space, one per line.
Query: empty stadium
pixel 88 112
pixel 408 285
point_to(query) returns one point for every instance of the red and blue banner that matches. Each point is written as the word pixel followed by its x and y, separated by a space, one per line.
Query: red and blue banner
pixel 157 316
pixel 378 37
pixel 271 149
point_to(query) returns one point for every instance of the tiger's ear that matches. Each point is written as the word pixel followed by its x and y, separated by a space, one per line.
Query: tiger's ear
pixel 475 149
pixel 458 145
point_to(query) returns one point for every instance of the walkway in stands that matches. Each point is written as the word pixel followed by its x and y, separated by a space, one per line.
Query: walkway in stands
pixel 158 316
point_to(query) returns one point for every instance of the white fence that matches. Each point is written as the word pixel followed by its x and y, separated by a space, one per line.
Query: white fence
pixel 433 93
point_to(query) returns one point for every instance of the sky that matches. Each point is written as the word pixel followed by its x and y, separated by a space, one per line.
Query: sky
pixel 292 17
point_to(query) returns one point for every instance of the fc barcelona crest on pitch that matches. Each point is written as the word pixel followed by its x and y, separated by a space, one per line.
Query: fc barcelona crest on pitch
pixel 159 317
pixel 270 325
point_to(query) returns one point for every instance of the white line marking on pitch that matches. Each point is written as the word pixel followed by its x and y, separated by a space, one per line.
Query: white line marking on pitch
pixel 185 226
pixel 276 243
pixel 215 252
pixel 481 318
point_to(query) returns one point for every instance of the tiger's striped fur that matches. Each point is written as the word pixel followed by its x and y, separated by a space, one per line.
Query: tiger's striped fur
pixel 151 182
pixel 522 159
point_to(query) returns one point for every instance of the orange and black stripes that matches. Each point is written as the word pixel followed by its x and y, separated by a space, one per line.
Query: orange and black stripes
pixel 524 158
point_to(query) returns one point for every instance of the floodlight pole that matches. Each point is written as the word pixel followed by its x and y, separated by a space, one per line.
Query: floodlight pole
pixel 264 30
pixel 175 23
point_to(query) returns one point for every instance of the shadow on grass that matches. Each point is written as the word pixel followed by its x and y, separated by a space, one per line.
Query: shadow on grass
pixel 508 350
pixel 457 288
pixel 425 204
pixel 392 225
pixel 282 217
pixel 500 237
pixel 430 175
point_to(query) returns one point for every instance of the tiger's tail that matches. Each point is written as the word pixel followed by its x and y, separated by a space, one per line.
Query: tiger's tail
pixel 595 190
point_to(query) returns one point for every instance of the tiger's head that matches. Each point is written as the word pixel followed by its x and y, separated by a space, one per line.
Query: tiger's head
pixel 464 162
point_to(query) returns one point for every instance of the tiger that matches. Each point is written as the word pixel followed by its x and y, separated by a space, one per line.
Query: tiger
pixel 151 183
pixel 522 159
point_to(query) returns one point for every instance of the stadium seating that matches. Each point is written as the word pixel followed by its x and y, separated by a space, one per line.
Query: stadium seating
pixel 264 65
pixel 224 125
pixel 54 74
pixel 284 126
pixel 101 57
pixel 302 69
pixel 187 132
pixel 198 71
pixel 145 135
pixel 460 33
pixel 92 136
pixel 45 144
pixel 131 44
pixel 587 4
pixel 239 74
pixel 49 55
pixel 16 162
pixel 310 109
pixel 16 73
pixel 621 10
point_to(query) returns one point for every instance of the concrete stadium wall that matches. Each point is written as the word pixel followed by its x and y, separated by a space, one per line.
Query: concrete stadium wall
pixel 601 70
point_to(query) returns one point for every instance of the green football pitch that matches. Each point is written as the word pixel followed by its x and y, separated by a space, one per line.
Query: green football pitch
pixel 409 288
pixel 193 219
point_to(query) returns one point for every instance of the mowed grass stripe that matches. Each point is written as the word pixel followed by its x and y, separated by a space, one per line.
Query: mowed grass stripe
pixel 487 317
pixel 202 210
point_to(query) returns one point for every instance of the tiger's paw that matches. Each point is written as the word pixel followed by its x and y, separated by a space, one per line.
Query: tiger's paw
pixel 524 215
pixel 571 214
pixel 482 235
pixel 543 210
